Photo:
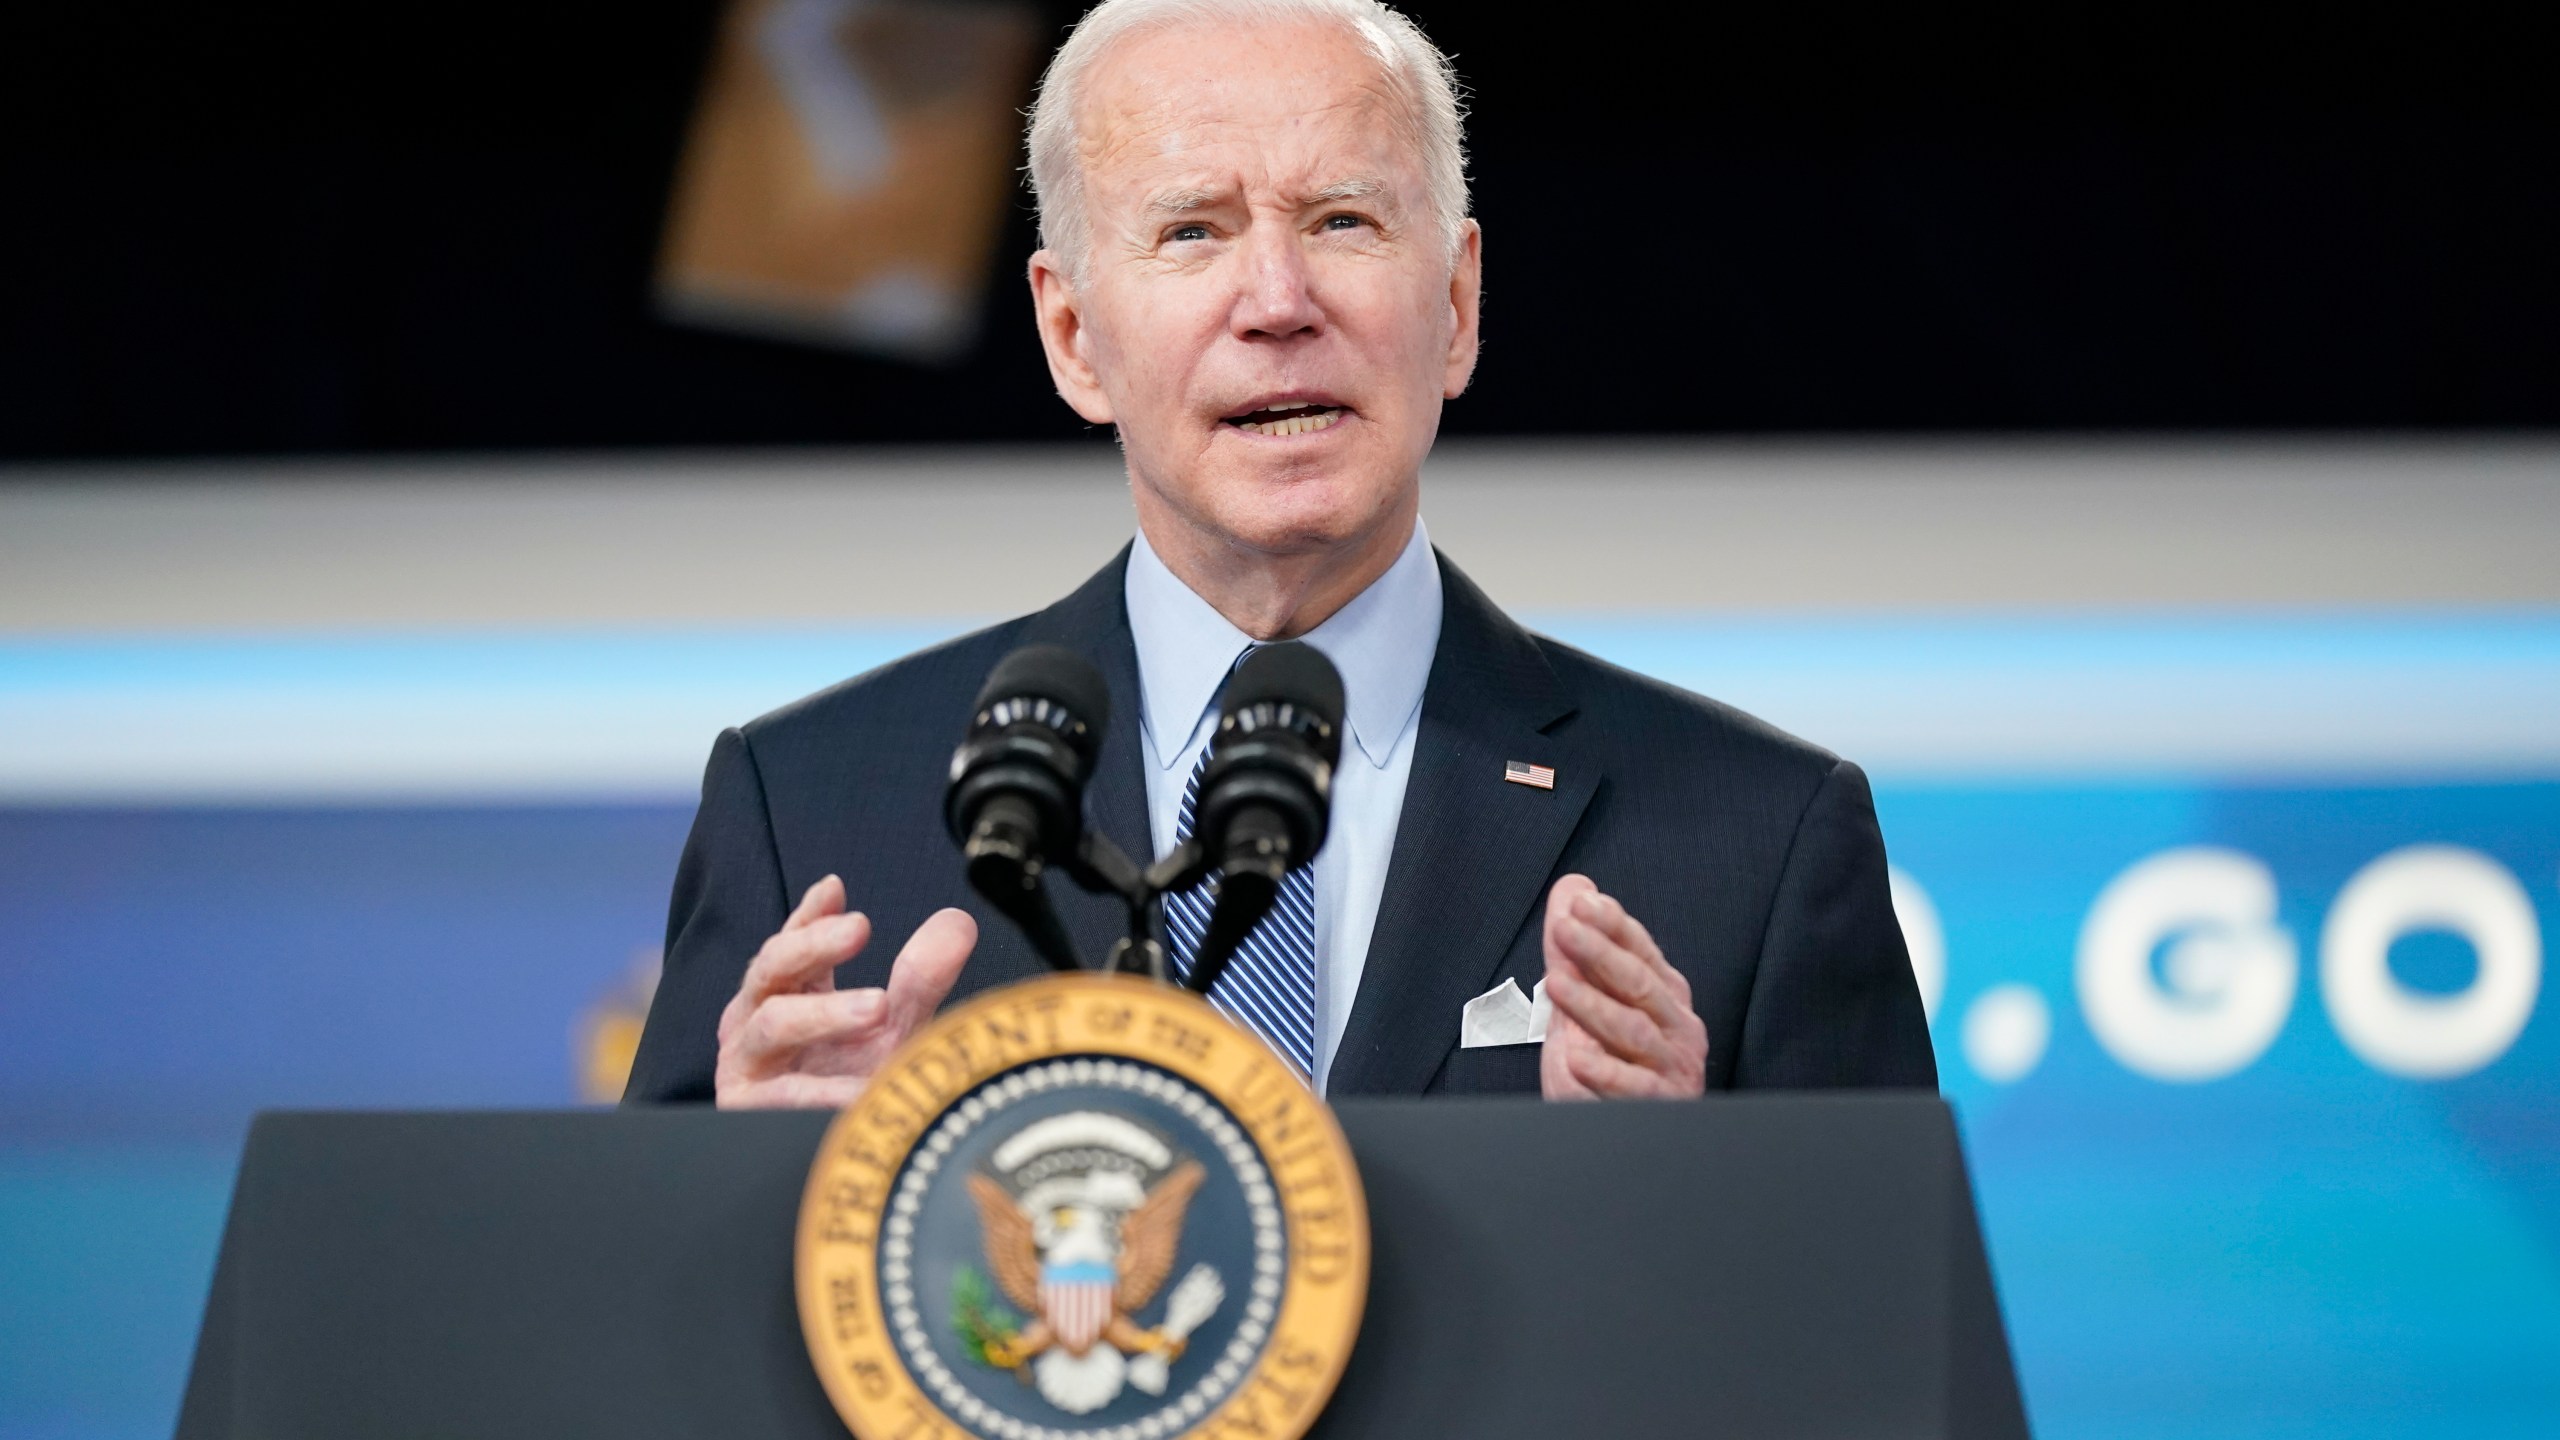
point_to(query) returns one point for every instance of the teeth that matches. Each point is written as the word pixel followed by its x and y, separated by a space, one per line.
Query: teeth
pixel 1305 424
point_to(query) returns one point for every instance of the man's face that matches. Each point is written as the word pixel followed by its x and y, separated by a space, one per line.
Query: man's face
pixel 1270 313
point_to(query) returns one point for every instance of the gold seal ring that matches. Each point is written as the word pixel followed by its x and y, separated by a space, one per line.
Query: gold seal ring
pixel 1082 1206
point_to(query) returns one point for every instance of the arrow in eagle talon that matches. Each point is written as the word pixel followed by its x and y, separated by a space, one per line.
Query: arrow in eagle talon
pixel 1194 1301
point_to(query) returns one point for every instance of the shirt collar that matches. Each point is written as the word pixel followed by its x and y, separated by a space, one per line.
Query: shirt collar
pixel 1382 642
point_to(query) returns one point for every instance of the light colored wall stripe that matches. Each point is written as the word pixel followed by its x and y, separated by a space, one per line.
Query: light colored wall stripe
pixel 1550 526
pixel 609 715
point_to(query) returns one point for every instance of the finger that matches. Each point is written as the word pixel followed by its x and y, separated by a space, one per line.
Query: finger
pixel 926 969
pixel 1563 974
pixel 1614 1077
pixel 1560 902
pixel 820 1092
pixel 824 898
pixel 805 958
pixel 784 1025
pixel 1556 1080
pixel 1602 912
pixel 793 962
pixel 1622 1029
pixel 1625 975
pixel 794 1092
pixel 1608 1075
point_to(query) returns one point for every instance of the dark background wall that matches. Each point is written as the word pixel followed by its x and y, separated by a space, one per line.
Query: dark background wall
pixel 251 229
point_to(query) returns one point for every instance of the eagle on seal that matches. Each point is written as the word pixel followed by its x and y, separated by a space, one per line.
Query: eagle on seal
pixel 1084 1258
pixel 1040 1261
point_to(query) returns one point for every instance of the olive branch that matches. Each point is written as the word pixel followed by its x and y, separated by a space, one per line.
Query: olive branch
pixel 982 1322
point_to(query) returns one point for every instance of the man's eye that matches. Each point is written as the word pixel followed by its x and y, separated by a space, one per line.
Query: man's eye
pixel 1188 232
pixel 1344 222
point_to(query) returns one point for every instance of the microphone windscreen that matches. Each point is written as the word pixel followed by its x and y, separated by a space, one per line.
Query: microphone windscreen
pixel 1291 671
pixel 1058 675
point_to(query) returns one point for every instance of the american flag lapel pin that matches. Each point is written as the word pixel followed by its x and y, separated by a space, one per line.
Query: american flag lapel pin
pixel 1536 777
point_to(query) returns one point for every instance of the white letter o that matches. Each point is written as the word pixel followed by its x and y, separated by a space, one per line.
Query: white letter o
pixel 2408 1032
pixel 2231 969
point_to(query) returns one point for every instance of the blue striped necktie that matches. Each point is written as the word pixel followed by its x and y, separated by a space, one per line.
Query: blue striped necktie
pixel 1270 982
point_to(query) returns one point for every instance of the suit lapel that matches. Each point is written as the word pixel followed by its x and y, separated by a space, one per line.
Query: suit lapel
pixel 1472 852
pixel 1094 621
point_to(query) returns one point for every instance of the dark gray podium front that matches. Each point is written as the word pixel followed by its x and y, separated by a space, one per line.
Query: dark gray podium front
pixel 1752 1266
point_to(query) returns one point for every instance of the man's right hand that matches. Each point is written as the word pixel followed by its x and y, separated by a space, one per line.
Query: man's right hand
pixel 791 1039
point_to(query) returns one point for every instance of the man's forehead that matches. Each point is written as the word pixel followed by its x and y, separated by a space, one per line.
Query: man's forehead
pixel 1189 108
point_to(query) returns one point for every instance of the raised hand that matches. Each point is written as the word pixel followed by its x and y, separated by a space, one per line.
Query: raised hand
pixel 791 1039
pixel 1623 1024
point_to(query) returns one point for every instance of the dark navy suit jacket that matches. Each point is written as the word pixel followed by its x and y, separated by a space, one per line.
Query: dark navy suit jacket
pixel 1752 856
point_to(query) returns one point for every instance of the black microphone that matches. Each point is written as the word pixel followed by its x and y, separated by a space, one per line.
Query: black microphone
pixel 1016 802
pixel 1267 792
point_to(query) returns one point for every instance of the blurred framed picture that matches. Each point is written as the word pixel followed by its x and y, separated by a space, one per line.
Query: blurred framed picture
pixel 845 176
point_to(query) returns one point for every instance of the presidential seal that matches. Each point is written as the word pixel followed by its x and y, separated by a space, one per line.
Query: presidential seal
pixel 1084 1207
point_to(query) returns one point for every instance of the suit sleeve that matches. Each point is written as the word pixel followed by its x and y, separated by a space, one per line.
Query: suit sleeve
pixel 729 898
pixel 1833 1001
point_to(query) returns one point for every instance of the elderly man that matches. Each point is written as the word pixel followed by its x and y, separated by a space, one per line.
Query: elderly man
pixel 1259 269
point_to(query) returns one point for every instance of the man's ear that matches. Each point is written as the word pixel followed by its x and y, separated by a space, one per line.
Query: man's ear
pixel 1466 303
pixel 1064 337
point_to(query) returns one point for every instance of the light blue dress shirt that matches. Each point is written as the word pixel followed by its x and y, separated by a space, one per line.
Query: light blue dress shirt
pixel 1382 642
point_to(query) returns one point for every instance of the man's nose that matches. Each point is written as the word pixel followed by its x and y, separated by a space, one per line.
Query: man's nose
pixel 1278 297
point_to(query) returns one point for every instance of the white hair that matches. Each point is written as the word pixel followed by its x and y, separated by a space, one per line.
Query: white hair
pixel 1420 75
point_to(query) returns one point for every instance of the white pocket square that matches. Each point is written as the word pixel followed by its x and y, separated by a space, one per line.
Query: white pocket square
pixel 1504 1016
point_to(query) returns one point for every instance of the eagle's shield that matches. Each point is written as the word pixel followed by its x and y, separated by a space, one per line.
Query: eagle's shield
pixel 1076 1298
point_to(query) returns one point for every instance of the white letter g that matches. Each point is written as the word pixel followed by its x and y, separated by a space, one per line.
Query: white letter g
pixel 2230 969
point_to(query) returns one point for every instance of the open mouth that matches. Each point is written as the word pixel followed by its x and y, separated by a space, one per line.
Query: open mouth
pixel 1304 418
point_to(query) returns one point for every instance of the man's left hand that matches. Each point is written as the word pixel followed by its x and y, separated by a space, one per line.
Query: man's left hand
pixel 1622 1024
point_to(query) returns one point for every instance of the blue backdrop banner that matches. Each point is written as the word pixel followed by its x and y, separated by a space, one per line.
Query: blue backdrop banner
pixel 2233 935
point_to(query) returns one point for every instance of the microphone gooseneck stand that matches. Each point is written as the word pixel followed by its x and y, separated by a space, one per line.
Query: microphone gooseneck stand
pixel 1245 894
pixel 1016 799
